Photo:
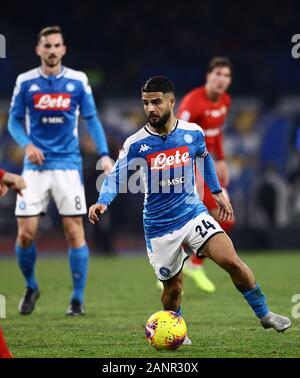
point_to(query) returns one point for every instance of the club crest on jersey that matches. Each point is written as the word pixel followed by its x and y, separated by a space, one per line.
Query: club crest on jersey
pixel 173 158
pixel 52 101
pixel 70 87
pixel 22 205
pixel 188 138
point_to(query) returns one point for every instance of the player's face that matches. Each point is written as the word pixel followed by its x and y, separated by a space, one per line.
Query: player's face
pixel 219 79
pixel 51 49
pixel 158 107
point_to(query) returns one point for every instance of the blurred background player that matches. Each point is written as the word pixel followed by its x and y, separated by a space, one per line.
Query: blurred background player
pixel 51 97
pixel 208 107
pixel 16 182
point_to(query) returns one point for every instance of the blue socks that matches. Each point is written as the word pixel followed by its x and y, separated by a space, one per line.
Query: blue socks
pixel 26 259
pixel 179 312
pixel 257 300
pixel 79 259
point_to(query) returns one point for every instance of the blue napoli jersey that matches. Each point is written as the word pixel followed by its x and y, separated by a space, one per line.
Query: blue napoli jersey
pixel 50 106
pixel 166 166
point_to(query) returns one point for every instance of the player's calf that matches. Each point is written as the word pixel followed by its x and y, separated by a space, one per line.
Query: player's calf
pixel 220 249
pixel 171 294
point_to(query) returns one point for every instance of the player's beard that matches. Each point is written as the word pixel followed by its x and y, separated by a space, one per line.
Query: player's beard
pixel 161 121
pixel 52 63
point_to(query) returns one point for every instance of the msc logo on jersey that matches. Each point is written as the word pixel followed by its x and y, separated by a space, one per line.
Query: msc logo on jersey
pixel 52 101
pixel 172 182
pixel 173 158
pixel 53 120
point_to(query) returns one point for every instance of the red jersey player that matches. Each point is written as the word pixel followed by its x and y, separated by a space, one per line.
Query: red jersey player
pixel 8 180
pixel 208 107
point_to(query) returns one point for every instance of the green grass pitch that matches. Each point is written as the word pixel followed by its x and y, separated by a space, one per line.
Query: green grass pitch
pixel 121 295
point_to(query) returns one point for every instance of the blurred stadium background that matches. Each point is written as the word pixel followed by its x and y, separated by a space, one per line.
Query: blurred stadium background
pixel 119 45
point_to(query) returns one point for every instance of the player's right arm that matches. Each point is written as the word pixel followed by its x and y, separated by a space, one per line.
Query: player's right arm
pixel 94 125
pixel 112 183
pixel 16 121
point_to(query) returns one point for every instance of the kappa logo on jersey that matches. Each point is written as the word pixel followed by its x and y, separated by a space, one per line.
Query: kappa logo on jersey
pixel 52 101
pixel 34 88
pixel 144 147
pixel 175 157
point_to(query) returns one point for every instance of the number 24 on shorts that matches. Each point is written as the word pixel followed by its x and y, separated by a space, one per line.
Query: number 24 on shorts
pixel 203 230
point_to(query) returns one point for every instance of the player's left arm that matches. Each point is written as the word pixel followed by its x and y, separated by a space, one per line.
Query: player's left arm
pixel 94 125
pixel 96 131
pixel 221 164
pixel 211 178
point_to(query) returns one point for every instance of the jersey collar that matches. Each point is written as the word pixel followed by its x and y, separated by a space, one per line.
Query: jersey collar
pixel 62 72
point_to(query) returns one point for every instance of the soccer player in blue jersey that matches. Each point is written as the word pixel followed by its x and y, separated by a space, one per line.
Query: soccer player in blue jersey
pixel 165 150
pixel 49 100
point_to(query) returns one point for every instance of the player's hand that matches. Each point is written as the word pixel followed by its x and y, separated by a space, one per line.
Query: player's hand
pixel 34 154
pixel 225 211
pixel 222 172
pixel 3 189
pixel 106 164
pixel 13 181
pixel 95 211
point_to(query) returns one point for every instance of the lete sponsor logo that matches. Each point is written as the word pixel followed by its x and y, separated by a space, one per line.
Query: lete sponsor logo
pixel 175 157
pixel 53 101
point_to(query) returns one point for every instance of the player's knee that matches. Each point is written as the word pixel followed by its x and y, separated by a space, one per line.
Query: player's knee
pixel 75 235
pixel 232 264
pixel 25 237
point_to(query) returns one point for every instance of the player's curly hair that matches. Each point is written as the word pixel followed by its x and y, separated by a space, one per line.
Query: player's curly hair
pixel 159 84
pixel 55 29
